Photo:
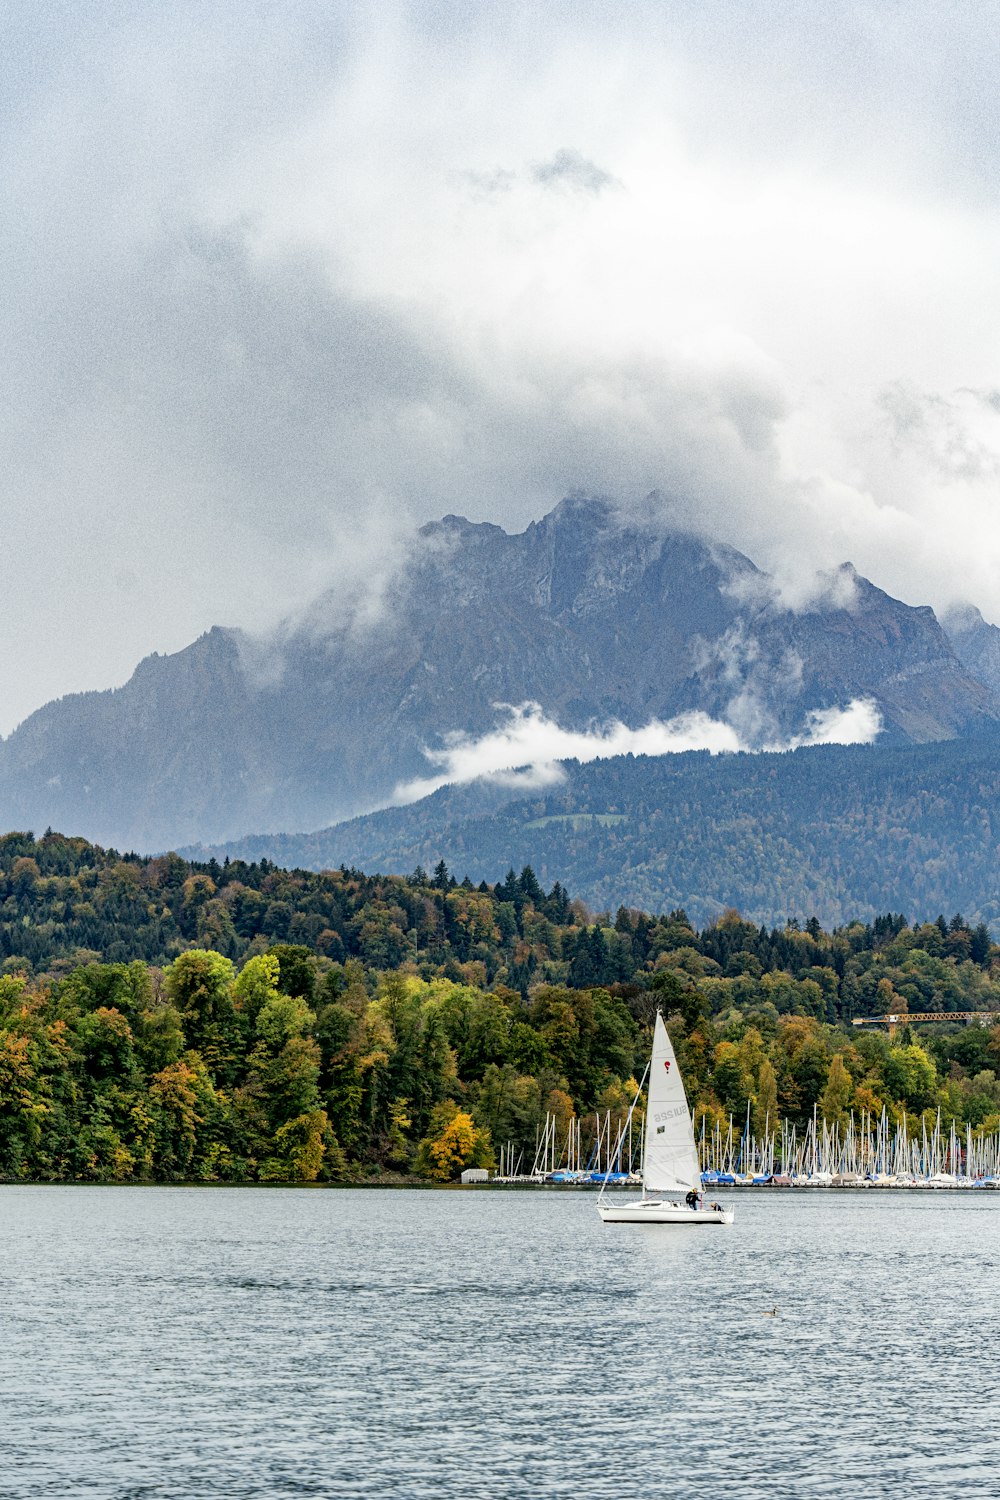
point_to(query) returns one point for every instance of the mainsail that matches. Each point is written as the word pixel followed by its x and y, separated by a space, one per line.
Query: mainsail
pixel 671 1161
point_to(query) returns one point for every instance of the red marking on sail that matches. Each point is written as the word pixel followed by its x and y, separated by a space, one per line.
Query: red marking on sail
pixel 667 1065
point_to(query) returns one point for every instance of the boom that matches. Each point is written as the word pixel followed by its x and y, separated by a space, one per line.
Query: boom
pixel 904 1018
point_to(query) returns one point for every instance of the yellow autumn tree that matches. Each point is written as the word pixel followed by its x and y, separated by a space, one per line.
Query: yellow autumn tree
pixel 453 1142
pixel 559 1104
pixel 765 1108
pixel 888 1001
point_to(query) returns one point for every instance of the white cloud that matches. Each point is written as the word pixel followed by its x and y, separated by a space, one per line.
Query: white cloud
pixel 283 283
pixel 568 169
pixel 857 724
pixel 528 748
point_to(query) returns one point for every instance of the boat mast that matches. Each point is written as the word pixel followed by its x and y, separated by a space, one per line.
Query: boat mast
pixel 630 1113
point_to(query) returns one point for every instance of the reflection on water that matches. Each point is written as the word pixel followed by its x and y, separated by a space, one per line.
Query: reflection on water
pixel 187 1342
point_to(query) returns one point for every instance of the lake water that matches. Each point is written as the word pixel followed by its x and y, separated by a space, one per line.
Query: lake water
pixel 190 1342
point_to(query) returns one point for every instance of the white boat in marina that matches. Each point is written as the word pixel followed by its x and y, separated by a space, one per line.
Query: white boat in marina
pixel 671 1171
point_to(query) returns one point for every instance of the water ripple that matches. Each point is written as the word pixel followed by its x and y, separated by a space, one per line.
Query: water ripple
pixel 186 1344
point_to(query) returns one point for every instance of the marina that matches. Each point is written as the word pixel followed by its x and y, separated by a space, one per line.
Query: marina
pixel 868 1152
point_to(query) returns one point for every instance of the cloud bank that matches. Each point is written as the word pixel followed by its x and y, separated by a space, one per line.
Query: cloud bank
pixel 526 749
pixel 284 282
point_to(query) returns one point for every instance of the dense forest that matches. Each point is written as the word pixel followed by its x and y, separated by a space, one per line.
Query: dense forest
pixel 167 1021
pixel 833 831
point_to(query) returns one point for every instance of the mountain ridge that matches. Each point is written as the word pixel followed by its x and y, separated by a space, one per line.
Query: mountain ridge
pixel 595 616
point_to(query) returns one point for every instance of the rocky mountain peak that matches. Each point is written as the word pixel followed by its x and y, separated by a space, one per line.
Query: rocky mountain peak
pixel 976 644
pixel 593 613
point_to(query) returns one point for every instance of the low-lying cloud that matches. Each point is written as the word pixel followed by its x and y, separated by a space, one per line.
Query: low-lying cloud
pixel 857 724
pixel 527 750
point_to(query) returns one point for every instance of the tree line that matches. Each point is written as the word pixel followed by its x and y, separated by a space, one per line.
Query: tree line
pixel 246 1023
pixel 836 830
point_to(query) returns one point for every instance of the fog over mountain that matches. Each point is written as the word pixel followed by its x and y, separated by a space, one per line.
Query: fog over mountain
pixel 611 625
pixel 285 283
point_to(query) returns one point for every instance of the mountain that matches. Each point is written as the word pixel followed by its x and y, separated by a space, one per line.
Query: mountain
pixel 976 643
pixel 834 831
pixel 587 613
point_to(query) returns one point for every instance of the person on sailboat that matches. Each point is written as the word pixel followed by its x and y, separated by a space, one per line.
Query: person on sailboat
pixel 670 1156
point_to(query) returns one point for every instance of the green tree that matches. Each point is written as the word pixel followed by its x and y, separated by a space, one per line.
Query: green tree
pixel 765 1110
pixel 836 1095
pixel 296 970
pixel 256 986
pixel 299 1148
pixel 199 984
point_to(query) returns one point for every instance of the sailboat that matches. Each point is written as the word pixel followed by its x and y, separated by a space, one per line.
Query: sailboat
pixel 670 1165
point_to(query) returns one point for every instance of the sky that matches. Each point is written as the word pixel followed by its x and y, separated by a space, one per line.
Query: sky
pixel 283 280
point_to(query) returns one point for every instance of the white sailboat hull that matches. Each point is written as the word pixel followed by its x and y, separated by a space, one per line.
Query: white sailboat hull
pixel 671 1169
pixel 661 1211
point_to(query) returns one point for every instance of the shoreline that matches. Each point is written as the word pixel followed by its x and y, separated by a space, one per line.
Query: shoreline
pixel 423 1185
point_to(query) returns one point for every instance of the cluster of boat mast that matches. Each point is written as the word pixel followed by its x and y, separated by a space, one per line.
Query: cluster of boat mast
pixel 866 1151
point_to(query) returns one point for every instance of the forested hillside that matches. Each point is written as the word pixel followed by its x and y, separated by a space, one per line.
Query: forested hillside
pixel 356 1025
pixel 834 831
